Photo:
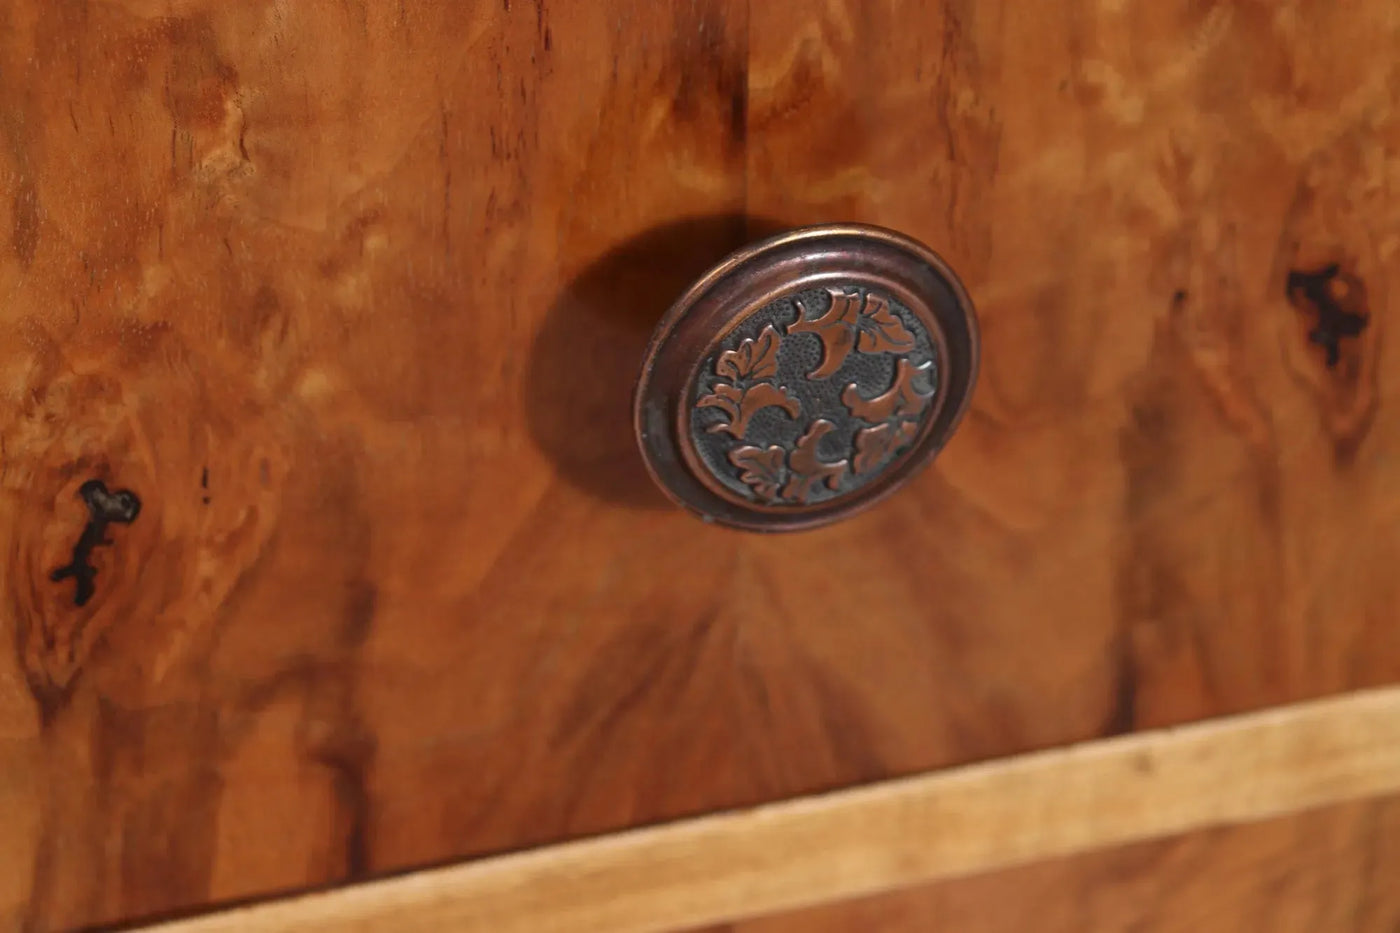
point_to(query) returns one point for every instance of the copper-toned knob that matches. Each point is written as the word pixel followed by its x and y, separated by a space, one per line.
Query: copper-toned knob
pixel 806 377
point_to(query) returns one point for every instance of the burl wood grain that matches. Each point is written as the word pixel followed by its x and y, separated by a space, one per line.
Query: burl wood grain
pixel 351 295
pixel 1335 870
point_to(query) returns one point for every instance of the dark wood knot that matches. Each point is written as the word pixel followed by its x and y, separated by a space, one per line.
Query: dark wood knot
pixel 104 508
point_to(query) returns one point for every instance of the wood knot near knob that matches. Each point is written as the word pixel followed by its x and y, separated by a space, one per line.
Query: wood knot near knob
pixel 806 377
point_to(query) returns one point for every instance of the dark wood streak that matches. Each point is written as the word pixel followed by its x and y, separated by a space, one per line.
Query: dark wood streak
pixel 1122 714
pixel 347 750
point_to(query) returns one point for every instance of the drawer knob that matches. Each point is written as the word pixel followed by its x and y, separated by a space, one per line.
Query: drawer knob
pixel 806 377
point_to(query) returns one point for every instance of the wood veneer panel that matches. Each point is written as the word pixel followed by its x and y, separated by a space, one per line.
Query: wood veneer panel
pixel 350 295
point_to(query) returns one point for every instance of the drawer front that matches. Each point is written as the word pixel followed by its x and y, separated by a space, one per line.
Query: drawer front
pixel 349 300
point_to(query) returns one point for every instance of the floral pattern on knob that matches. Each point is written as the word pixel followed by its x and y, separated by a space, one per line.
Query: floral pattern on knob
pixel 813 396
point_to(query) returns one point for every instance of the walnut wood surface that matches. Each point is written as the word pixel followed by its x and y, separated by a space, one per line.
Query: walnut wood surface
pixel 1336 870
pixel 351 295
pixel 888 836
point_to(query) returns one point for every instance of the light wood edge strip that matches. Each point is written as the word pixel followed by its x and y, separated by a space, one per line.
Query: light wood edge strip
pixel 881 837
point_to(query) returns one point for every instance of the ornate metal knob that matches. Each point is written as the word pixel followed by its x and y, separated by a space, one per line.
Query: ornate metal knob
pixel 806 377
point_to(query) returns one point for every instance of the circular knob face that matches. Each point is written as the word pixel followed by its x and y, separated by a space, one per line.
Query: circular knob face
pixel 806 377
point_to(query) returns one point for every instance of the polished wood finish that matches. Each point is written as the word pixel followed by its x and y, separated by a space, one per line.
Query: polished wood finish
pixel 352 295
pixel 888 836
